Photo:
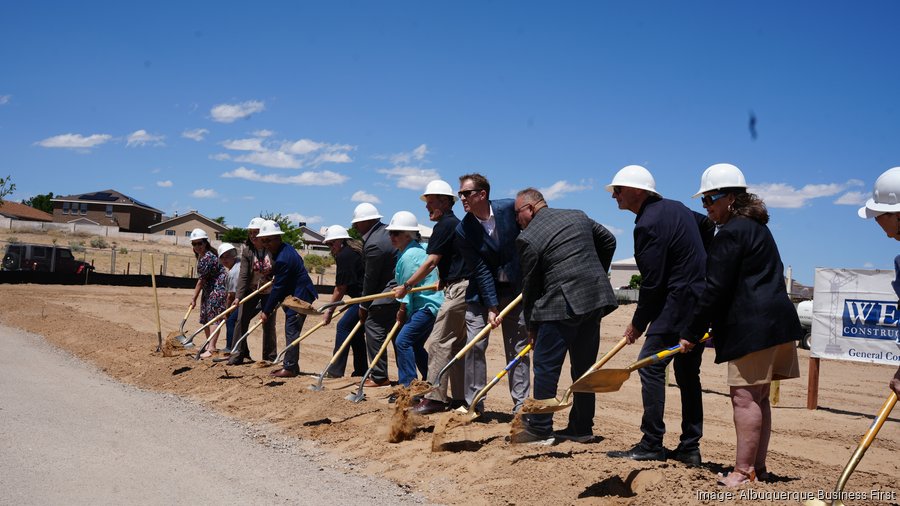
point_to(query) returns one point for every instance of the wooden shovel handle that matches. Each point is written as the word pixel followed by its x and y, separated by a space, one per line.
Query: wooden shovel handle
pixel 663 354
pixel 367 298
pixel 487 328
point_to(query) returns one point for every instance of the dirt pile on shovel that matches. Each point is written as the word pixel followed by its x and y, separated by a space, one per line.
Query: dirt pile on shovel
pixel 404 422
pixel 170 344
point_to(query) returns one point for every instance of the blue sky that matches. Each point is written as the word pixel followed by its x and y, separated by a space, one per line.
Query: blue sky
pixel 307 108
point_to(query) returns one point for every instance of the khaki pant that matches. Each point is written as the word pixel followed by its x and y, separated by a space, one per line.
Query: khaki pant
pixel 448 337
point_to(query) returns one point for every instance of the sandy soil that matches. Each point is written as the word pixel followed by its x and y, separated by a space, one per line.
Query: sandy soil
pixel 115 329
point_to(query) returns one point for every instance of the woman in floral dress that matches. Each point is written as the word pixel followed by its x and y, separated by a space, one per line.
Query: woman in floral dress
pixel 211 283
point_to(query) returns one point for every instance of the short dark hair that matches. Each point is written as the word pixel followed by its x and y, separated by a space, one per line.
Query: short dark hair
pixel 480 182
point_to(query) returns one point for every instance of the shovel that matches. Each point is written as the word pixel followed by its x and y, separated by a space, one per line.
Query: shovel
pixel 367 298
pixel 156 302
pixel 182 338
pixel 318 386
pixel 543 406
pixel 611 380
pixel 360 396
pixel 208 339
pixel 309 332
pixel 224 314
pixel 484 332
pixel 234 347
pixel 858 454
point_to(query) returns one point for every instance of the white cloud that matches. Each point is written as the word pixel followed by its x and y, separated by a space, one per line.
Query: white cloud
pixel 75 141
pixel 853 198
pixel 263 133
pixel 411 178
pixel 781 195
pixel 222 157
pixel 362 196
pixel 197 134
pixel 309 178
pixel 275 159
pixel 4 99
pixel 244 145
pixel 164 184
pixel 141 137
pixel 332 157
pixel 229 113
pixel 302 218
pixel 248 197
pixel 614 230
pixel 203 193
pixel 868 265
pixel 417 154
pixel 304 147
pixel 560 188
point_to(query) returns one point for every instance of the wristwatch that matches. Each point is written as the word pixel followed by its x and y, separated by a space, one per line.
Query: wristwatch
pixel 407 286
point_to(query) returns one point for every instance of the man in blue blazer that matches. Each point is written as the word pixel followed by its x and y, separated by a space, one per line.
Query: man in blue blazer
pixel 488 235
pixel 290 278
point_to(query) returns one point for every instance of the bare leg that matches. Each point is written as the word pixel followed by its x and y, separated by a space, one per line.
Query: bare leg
pixel 765 429
pixel 748 426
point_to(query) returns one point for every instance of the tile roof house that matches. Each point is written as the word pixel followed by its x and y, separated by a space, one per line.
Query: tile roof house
pixel 19 211
pixel 105 208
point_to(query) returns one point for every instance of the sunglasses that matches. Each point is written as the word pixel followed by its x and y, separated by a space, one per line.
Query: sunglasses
pixel 195 244
pixel 617 190
pixel 709 200
pixel 519 210
pixel 464 194
pixel 394 232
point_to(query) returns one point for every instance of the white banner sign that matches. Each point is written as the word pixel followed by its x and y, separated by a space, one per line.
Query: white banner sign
pixel 855 316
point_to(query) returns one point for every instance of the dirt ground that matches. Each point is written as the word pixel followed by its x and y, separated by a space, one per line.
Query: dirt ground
pixel 115 329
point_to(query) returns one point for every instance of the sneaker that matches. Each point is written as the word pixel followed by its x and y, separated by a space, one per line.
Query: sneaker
pixel 530 438
pixel 639 453
pixel 689 457
pixel 568 435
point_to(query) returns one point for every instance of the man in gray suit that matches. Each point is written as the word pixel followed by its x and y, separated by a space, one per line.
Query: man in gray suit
pixel 565 257
pixel 380 258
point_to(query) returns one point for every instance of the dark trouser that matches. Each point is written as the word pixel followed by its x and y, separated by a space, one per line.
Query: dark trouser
pixel 229 329
pixel 653 392
pixel 248 310
pixel 358 344
pixel 580 337
pixel 379 322
pixel 293 323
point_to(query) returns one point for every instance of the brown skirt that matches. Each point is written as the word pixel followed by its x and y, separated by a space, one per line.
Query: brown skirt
pixel 765 366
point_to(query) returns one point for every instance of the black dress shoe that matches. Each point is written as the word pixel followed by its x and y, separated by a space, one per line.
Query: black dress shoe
pixel 428 407
pixel 689 457
pixel 238 359
pixel 639 453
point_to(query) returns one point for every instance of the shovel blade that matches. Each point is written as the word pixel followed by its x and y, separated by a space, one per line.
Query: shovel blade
pixel 300 306
pixel 602 381
pixel 545 406
pixel 356 398
pixel 317 386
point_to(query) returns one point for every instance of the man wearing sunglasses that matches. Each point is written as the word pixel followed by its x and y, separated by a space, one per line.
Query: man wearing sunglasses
pixel 488 235
pixel 669 251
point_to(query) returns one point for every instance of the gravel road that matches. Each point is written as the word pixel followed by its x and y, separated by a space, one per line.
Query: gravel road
pixel 71 435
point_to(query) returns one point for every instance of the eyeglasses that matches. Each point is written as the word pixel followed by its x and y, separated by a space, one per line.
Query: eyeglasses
pixel 519 210
pixel 264 240
pixel 464 194
pixel 709 200
pixel 617 190
pixel 395 232
pixel 195 244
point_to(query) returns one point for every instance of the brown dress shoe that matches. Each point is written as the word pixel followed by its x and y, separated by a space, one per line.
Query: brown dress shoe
pixel 370 383
pixel 428 407
pixel 283 373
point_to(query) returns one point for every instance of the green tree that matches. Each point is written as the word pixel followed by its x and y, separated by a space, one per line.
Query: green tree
pixel 220 220
pixel 635 282
pixel 41 202
pixel 353 233
pixel 292 233
pixel 235 235
pixel 6 187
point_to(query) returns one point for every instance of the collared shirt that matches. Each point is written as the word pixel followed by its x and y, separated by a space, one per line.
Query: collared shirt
pixel 232 277
pixel 409 262
pixel 490 224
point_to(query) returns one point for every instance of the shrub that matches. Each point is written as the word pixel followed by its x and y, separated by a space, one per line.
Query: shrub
pixel 99 242
pixel 76 245
pixel 13 239
pixel 123 250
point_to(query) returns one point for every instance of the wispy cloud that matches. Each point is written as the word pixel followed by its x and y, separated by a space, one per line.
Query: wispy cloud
pixel 309 178
pixel 197 134
pixel 141 137
pixel 560 188
pixel 411 178
pixel 274 159
pixel 614 230
pixel 785 196
pixel 75 141
pixel 229 113
pixel 362 196
pixel 4 99
pixel 204 193
pixel 853 198
pixel 244 145
pixel 302 218
pixel 416 155
pixel 164 184
pixel 263 133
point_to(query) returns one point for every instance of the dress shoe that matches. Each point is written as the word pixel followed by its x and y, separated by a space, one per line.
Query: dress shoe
pixel 283 373
pixel 428 407
pixel 689 457
pixel 530 438
pixel 370 383
pixel 458 403
pixel 570 435
pixel 238 359
pixel 639 453
pixel 329 376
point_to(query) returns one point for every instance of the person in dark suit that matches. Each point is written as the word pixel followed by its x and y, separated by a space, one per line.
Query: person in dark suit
pixel 670 254
pixel 565 257
pixel 380 259
pixel 488 234
pixel 256 270
pixel 290 278
pixel 745 303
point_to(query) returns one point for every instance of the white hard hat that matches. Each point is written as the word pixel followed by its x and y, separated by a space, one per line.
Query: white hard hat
pixel 255 223
pixel 439 187
pixel 269 228
pixel 365 212
pixel 885 195
pixel 633 176
pixel 335 232
pixel 721 175
pixel 225 247
pixel 405 221
pixel 199 233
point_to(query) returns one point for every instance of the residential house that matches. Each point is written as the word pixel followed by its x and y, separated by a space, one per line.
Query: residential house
pixel 106 208
pixel 17 211
pixel 181 226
